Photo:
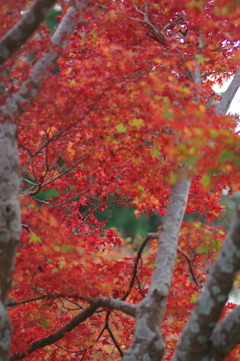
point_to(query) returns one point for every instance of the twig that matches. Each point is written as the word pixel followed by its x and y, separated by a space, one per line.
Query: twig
pixel 190 267
pixel 150 236
pixel 25 226
pixel 70 351
pixel 72 198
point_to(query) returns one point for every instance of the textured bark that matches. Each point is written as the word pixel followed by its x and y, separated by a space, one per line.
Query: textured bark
pixel 10 225
pixel 113 304
pixel 148 343
pixel 225 336
pixel 22 31
pixel 195 341
pixel 10 219
pixel 228 95
pixel 18 102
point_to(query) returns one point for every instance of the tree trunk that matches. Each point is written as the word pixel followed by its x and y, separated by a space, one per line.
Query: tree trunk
pixel 10 223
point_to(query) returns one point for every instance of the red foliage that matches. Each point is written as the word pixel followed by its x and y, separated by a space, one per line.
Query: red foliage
pixel 119 119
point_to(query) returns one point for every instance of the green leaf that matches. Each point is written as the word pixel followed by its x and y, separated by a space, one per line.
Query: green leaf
pixel 45 324
pixel 206 180
pixel 137 123
pixel 193 298
pixel 155 152
pixel 67 248
pixel 227 155
pixel 34 238
pixel 216 244
pixel 121 128
pixel 200 58
pixel 202 249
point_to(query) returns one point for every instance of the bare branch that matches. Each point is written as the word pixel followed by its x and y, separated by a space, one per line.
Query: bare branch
pixel 229 94
pixel 56 336
pixel 107 327
pixel 22 31
pixel 149 237
pixel 113 304
pixel 53 296
pixel 18 102
pixel 194 341
pixel 174 22
pixel 146 21
pixel 189 266
pixel 70 351
pixel 114 340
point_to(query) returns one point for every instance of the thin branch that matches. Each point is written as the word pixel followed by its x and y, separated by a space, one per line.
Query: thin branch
pixel 190 266
pixel 139 287
pixel 111 303
pixel 25 226
pixel 73 198
pixel 150 236
pixel 94 210
pixel 148 23
pixel 53 296
pixel 54 138
pixel 23 30
pixel 175 22
pixel 114 340
pixel 67 171
pixel 69 351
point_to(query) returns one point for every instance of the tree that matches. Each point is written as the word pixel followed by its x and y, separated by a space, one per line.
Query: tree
pixel 126 116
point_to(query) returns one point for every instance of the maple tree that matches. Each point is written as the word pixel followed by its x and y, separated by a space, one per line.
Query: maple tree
pixel 127 115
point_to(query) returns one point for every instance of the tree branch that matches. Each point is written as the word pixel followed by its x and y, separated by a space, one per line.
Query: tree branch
pixel 58 335
pixel 150 311
pixel 71 199
pixel 113 304
pixel 146 21
pixel 228 95
pixel 18 102
pixel 194 341
pixel 225 336
pixel 149 237
pixel 189 266
pixel 22 31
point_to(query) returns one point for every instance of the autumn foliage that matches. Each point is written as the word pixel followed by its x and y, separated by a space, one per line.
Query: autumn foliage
pixel 128 112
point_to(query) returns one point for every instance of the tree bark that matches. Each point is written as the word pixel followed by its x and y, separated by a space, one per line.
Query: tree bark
pixel 10 215
pixel 147 342
pixel 22 31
